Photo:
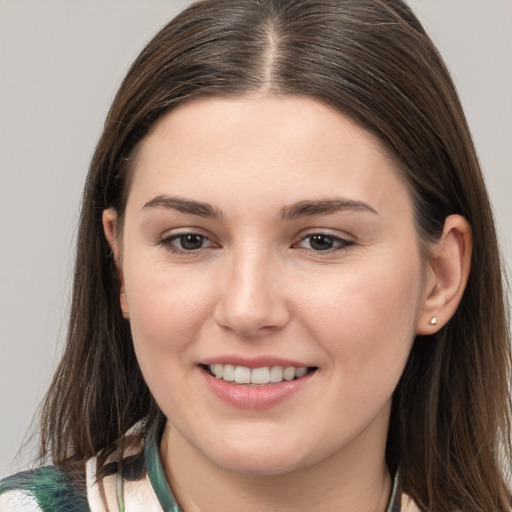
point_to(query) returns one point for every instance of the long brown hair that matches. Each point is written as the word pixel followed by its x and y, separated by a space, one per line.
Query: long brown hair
pixel 372 60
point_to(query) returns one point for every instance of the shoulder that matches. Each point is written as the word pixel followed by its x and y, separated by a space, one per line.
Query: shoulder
pixel 50 488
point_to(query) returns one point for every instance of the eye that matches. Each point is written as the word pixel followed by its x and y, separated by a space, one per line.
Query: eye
pixel 186 242
pixel 323 242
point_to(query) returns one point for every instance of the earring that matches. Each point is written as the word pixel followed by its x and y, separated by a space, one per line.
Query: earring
pixel 433 320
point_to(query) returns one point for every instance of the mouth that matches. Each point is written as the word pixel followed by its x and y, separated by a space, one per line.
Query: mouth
pixel 263 376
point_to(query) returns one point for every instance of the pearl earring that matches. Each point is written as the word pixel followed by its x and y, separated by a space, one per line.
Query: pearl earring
pixel 433 320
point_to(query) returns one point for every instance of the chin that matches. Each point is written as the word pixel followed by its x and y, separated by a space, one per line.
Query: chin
pixel 259 466
pixel 258 460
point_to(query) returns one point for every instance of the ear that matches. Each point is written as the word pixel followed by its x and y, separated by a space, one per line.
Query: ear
pixel 447 275
pixel 109 220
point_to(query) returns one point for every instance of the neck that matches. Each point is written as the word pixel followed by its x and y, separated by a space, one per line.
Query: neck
pixel 355 482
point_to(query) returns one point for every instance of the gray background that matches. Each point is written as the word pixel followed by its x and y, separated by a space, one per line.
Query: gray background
pixel 60 64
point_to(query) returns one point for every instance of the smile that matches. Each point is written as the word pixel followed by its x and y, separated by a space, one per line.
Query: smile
pixel 260 387
pixel 262 376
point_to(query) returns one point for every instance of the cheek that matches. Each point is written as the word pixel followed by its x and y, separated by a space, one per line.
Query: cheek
pixel 168 309
pixel 365 318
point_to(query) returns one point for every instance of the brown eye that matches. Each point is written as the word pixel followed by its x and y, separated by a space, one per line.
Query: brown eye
pixel 322 242
pixel 185 243
pixel 190 242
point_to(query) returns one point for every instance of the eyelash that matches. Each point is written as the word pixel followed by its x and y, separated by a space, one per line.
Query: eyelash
pixel 339 243
pixel 167 243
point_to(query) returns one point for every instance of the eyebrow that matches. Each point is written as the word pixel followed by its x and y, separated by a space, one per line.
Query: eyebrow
pixel 322 207
pixel 185 206
pixel 306 208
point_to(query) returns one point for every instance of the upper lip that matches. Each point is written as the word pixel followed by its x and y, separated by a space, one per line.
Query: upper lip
pixel 254 362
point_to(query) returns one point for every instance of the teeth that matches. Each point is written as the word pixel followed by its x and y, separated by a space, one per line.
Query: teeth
pixel 260 376
pixel 228 373
pixel 289 373
pixel 300 372
pixel 219 371
pixel 264 375
pixel 242 375
pixel 276 374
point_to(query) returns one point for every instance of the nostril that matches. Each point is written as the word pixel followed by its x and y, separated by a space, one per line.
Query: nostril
pixel 252 318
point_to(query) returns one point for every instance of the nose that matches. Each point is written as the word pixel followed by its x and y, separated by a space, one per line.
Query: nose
pixel 252 300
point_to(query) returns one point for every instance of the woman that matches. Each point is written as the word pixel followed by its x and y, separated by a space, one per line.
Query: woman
pixel 287 291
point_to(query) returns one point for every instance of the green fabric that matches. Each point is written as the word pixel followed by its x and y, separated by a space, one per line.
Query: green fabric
pixel 396 495
pixel 157 475
pixel 53 490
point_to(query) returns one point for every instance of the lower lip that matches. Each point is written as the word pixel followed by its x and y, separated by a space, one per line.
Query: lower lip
pixel 250 396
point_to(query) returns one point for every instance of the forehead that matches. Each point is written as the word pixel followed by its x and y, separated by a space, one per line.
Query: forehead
pixel 274 148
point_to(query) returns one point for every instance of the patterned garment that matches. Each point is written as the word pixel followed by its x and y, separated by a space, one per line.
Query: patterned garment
pixel 138 484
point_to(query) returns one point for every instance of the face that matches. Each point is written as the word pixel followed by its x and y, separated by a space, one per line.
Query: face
pixel 270 241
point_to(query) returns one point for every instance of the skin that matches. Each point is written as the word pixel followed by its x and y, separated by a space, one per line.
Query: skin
pixel 257 286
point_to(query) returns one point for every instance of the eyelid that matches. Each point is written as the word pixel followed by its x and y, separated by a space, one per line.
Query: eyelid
pixel 185 230
pixel 179 235
pixel 165 240
pixel 346 240
pixel 342 235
